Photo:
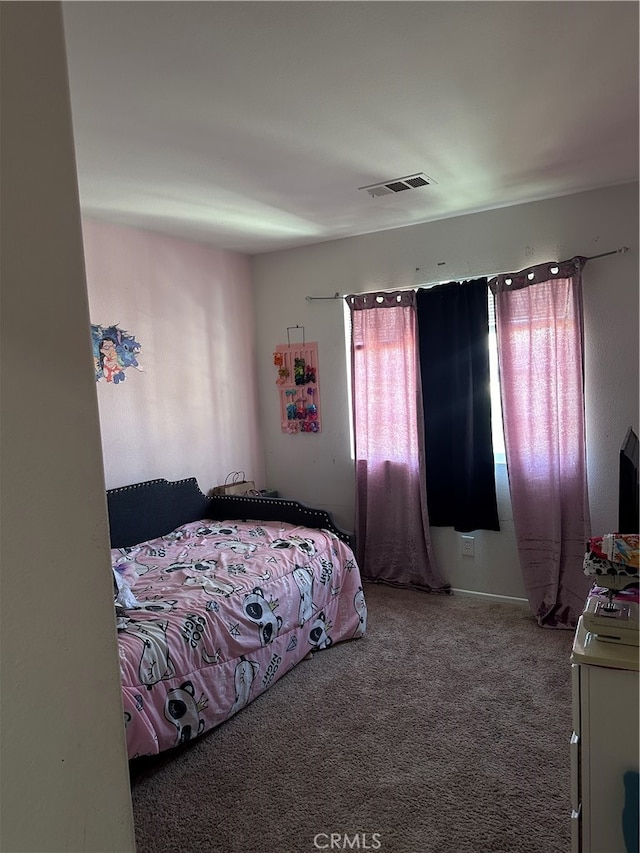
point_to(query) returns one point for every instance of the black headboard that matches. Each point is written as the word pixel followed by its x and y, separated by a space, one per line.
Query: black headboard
pixel 146 510
pixel 154 508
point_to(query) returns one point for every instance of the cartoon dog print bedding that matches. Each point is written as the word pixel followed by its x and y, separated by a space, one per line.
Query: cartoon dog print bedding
pixel 223 611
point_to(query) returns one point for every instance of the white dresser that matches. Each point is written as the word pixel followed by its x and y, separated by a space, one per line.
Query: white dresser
pixel 604 743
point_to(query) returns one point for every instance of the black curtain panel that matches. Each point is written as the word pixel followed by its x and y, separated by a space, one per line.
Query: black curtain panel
pixel 453 328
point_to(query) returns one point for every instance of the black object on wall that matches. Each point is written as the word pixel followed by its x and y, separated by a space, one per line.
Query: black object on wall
pixel 453 328
pixel 628 501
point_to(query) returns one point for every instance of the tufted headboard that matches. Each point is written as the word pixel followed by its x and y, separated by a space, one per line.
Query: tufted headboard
pixel 154 508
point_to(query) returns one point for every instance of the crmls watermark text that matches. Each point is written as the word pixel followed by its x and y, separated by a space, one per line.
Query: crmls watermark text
pixel 344 841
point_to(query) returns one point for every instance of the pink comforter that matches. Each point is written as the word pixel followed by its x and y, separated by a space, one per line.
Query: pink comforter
pixel 225 610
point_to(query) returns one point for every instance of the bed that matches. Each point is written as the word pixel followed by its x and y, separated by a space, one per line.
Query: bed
pixel 217 597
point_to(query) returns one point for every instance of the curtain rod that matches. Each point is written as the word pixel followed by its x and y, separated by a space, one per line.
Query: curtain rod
pixel 317 298
pixel 621 251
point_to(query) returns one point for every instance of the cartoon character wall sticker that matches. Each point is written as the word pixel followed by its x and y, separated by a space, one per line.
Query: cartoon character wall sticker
pixel 114 350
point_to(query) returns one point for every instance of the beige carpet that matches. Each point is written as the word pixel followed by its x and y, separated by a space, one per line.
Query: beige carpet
pixel 444 730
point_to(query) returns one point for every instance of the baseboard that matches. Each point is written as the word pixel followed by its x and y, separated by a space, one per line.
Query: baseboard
pixel 511 599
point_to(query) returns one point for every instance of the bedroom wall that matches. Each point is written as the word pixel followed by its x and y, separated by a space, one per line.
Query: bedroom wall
pixel 318 468
pixel 192 409
pixel 64 781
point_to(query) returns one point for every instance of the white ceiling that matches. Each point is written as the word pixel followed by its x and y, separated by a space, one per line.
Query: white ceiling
pixel 251 125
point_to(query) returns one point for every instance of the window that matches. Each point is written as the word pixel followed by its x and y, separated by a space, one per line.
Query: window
pixel 496 407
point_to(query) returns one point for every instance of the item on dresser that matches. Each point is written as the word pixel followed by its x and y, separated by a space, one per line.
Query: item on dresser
pixel 611 610
pixel 612 574
pixel 618 548
pixel 232 592
pixel 613 618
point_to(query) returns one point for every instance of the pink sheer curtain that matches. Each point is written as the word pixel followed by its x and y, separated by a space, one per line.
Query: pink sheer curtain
pixel 540 348
pixel 392 525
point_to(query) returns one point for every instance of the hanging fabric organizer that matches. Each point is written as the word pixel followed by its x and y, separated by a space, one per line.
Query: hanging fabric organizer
pixel 297 381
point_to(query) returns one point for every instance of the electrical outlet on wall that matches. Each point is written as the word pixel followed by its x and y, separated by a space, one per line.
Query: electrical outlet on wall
pixel 467 546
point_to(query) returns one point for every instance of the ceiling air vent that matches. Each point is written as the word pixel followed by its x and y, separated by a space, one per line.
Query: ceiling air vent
pixel 398 185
